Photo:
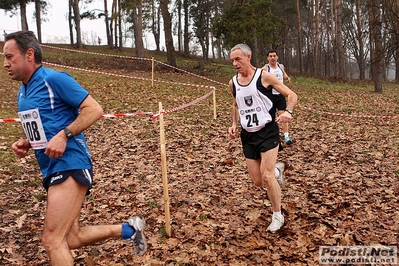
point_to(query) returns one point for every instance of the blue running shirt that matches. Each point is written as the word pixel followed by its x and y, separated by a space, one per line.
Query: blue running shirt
pixel 46 105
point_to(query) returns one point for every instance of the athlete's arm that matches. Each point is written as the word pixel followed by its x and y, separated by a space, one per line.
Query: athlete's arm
pixel 234 114
pixel 292 99
pixel 90 111
pixel 285 76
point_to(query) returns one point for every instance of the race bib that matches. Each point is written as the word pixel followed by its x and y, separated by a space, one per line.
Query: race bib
pixel 33 127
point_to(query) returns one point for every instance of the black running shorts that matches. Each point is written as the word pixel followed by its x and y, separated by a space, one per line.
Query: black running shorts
pixel 279 102
pixel 254 143
pixel 83 176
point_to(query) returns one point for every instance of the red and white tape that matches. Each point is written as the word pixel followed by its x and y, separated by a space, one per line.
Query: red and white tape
pixel 126 115
pixel 155 116
pixel 8 120
pixel 135 58
pixel 93 53
pixel 130 77
pixel 205 78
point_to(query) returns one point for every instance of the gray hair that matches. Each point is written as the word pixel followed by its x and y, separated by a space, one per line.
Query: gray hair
pixel 26 40
pixel 243 47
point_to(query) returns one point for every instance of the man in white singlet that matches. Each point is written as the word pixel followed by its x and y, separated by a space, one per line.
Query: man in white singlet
pixel 253 107
pixel 279 100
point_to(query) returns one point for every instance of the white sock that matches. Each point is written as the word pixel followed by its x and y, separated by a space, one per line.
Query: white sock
pixel 276 172
pixel 286 135
pixel 279 214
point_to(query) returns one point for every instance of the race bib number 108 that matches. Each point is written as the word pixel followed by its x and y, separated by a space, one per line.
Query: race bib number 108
pixel 33 127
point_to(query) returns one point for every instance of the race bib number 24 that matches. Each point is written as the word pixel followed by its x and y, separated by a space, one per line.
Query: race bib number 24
pixel 33 127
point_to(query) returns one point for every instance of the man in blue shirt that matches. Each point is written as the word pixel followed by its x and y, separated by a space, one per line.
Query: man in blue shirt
pixel 54 110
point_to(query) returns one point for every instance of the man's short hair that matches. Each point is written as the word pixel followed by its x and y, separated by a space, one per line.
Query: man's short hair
pixel 243 47
pixel 26 40
pixel 272 51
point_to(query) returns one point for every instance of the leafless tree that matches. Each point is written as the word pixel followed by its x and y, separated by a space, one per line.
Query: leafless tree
pixel 167 21
pixel 374 12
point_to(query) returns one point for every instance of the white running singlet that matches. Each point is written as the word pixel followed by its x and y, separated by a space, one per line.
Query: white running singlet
pixel 254 102
pixel 278 72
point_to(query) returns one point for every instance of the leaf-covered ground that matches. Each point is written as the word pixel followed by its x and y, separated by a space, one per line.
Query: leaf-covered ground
pixel 342 177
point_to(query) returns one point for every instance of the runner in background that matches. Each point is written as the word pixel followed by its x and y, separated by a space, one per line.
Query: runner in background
pixel 280 102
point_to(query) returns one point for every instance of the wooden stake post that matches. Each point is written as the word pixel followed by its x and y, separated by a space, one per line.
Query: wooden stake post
pixel 164 171
pixel 152 72
pixel 214 105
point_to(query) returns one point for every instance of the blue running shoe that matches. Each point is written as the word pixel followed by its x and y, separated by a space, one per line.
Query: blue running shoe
pixel 288 140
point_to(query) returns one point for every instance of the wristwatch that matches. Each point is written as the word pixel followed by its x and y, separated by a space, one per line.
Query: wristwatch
pixel 289 111
pixel 68 133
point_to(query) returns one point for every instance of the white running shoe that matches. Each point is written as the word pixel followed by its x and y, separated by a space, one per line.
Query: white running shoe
pixel 280 178
pixel 138 238
pixel 276 224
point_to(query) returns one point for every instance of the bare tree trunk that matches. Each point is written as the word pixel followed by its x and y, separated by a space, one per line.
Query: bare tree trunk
pixel 186 25
pixel 313 37
pixel 328 34
pixel 137 16
pixel 120 25
pixel 159 15
pixel 218 42
pixel 318 40
pixel 156 21
pixel 76 18
pixel 298 10
pixel 213 45
pixel 112 25
pixel 208 22
pixel 170 50
pixel 340 45
pixel 392 9
pixel 24 22
pixel 107 29
pixel 360 61
pixel 255 51
pixel 179 26
pixel 397 66
pixel 333 16
pixel 396 10
pixel 70 18
pixel 376 43
pixel 115 19
pixel 38 12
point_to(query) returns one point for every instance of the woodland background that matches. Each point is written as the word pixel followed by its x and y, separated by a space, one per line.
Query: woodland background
pixel 336 38
pixel 342 170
